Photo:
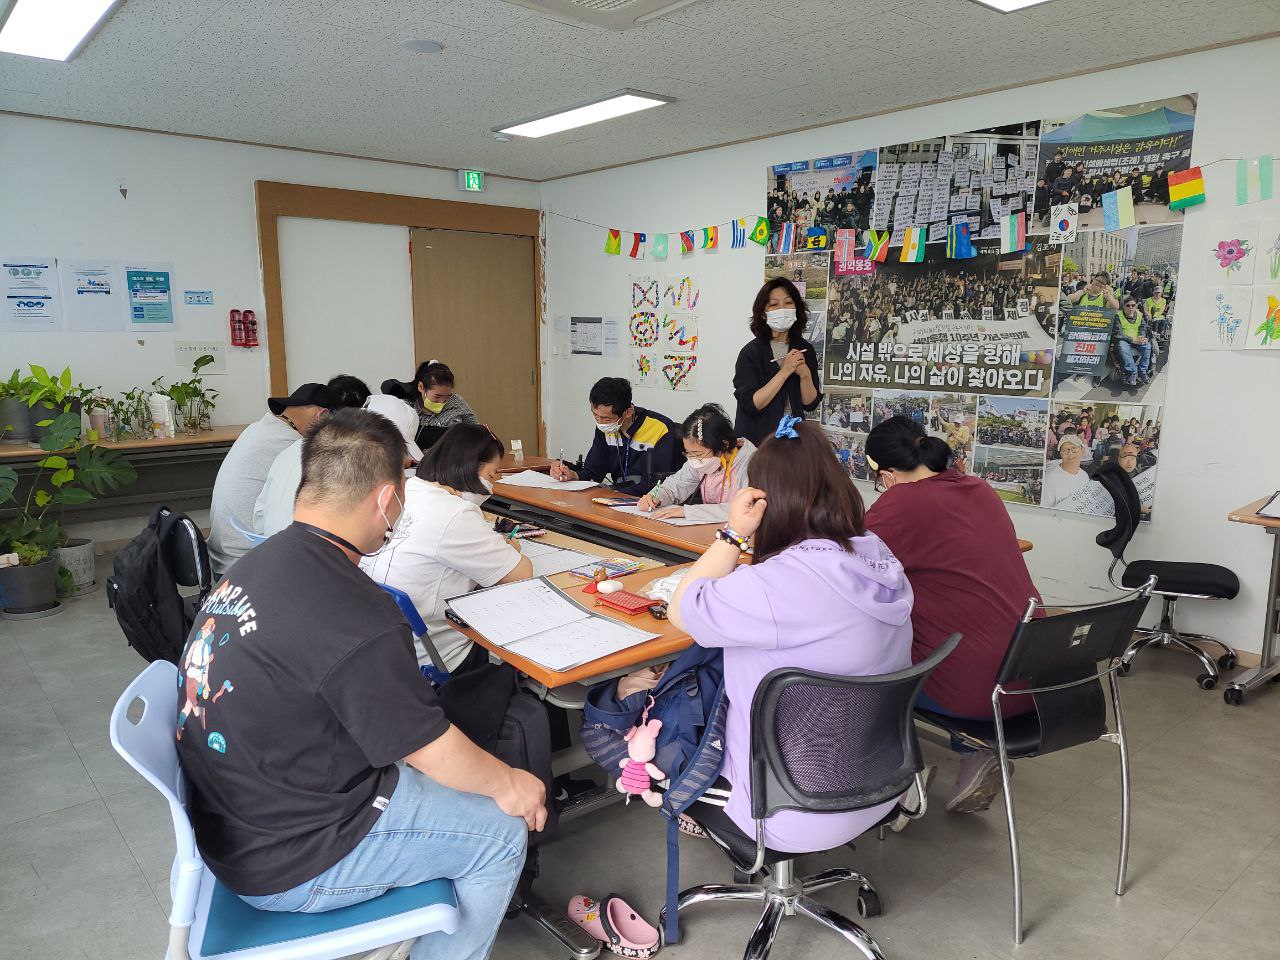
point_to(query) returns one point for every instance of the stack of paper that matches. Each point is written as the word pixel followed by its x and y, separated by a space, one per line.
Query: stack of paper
pixel 532 478
pixel 534 620
pixel 549 560
pixel 674 521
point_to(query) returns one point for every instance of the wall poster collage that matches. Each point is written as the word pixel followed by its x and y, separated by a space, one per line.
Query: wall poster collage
pixel 1034 365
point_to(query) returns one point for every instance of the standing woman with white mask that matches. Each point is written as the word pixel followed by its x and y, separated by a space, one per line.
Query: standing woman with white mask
pixel 715 469
pixel 777 372
pixel 442 546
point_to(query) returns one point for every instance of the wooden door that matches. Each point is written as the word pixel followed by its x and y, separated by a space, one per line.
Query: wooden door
pixel 474 308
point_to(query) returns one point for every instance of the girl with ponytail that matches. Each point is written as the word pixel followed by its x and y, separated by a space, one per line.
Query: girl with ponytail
pixel 957 544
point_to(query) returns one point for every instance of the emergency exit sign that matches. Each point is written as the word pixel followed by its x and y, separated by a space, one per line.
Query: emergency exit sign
pixel 471 181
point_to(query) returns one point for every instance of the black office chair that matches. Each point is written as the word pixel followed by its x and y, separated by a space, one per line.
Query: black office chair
pixel 1197 581
pixel 1055 661
pixel 825 744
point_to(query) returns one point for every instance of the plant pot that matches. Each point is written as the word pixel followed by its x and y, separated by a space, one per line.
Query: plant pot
pixel 47 411
pixel 27 593
pixel 15 420
pixel 77 557
pixel 99 420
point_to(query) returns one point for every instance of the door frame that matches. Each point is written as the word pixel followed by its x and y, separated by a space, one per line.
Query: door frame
pixel 275 199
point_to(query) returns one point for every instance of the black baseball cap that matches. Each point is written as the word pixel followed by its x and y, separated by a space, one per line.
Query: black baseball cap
pixel 307 395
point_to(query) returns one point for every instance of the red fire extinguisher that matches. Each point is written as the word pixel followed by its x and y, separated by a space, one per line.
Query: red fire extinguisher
pixel 237 329
pixel 250 329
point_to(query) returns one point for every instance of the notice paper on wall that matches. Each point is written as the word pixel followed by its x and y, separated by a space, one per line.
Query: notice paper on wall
pixel 586 336
pixel 92 295
pixel 543 481
pixel 534 620
pixel 32 300
pixel 150 295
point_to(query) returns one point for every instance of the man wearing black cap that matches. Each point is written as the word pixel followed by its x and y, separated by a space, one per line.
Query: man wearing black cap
pixel 244 471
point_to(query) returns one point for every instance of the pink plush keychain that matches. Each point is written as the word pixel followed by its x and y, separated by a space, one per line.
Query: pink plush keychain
pixel 638 772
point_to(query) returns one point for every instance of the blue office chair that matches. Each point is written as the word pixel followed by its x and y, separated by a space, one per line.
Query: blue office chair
pixel 438 672
pixel 208 921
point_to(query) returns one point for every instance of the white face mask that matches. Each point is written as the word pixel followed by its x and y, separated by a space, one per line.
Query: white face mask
pixel 476 498
pixel 704 466
pixel 396 529
pixel 486 484
pixel 781 319
pixel 610 429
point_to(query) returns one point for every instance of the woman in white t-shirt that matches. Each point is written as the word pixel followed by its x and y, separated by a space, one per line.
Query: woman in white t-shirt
pixel 442 546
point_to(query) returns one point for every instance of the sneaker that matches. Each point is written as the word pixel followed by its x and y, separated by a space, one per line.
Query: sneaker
pixel 977 784
pixel 912 801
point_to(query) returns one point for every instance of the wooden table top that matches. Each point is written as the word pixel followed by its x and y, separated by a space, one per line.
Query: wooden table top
pixel 1249 514
pixel 218 436
pixel 509 464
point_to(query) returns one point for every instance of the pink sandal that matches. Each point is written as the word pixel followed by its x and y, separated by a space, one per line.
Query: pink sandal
pixel 616 925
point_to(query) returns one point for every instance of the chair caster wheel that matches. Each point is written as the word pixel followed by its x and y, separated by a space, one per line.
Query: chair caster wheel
pixel 1207 681
pixel 1233 696
pixel 1227 661
pixel 869 904
pixel 1124 668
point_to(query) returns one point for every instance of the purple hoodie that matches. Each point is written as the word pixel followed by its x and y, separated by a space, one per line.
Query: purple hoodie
pixel 814 607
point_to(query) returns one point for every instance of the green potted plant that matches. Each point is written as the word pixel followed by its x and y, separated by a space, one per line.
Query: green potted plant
pixel 100 409
pixel 71 472
pixel 136 413
pixel 194 402
pixel 49 396
pixel 15 415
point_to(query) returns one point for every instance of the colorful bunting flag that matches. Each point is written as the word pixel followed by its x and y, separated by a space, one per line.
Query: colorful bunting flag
pixel 739 236
pixel 686 241
pixel 913 239
pixel 1186 188
pixel 787 238
pixel 659 246
pixel 613 243
pixel 815 238
pixel 1063 219
pixel 959 242
pixel 760 233
pixel 1117 209
pixel 1013 233
pixel 710 238
pixel 637 246
pixel 1254 179
pixel 847 245
pixel 877 245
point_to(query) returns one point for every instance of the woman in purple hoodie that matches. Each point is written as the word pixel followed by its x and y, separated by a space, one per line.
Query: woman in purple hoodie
pixel 821 593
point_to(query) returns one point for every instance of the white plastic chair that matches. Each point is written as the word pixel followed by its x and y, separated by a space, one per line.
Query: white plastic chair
pixel 208 920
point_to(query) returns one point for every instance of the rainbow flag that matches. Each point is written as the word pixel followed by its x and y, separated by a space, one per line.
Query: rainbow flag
pixel 1186 188
pixel 877 245
pixel 959 242
pixel 760 233
pixel 637 246
pixel 1013 233
pixel 686 241
pixel 613 243
pixel 660 241
pixel 912 245
pixel 787 238
pixel 1117 209
pixel 739 236
pixel 710 238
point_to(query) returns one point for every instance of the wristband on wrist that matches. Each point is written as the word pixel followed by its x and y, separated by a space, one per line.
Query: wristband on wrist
pixel 730 536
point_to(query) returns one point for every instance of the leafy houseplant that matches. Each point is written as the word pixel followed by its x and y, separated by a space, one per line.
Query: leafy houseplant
pixel 135 413
pixel 194 402
pixel 48 396
pixel 15 415
pixel 71 472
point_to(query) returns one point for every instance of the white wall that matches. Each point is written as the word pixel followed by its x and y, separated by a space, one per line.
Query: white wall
pixel 348 298
pixel 1219 447
pixel 189 201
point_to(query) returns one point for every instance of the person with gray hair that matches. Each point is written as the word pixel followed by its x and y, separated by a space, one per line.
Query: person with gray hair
pixel 323 770
pixel 1065 476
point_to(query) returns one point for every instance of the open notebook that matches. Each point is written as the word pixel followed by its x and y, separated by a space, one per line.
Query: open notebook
pixel 534 620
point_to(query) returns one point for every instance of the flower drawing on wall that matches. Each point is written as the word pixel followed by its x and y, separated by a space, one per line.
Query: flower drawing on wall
pixel 1230 253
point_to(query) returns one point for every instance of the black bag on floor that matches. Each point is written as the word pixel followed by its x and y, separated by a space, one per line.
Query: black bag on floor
pixel 143 587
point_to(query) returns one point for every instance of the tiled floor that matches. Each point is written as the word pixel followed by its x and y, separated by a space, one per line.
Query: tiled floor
pixel 85 845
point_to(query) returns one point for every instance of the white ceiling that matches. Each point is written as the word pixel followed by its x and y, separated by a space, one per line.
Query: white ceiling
pixel 329 74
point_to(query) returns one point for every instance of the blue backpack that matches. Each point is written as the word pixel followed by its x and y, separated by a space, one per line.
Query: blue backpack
pixel 690 702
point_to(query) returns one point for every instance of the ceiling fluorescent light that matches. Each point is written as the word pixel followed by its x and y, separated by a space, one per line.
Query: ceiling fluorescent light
pixel 617 104
pixel 52 29
pixel 1008 6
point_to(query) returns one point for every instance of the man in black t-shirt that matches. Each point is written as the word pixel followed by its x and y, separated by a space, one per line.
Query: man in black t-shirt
pixel 322 769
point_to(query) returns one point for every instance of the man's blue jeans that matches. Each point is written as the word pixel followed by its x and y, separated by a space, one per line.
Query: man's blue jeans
pixel 1127 352
pixel 426 832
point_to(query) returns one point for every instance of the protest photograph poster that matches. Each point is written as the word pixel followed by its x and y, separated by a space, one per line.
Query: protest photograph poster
pixel 1082 436
pixel 976 177
pixel 1089 154
pixel 981 325
pixel 949 416
pixel 1015 474
pixel 846 409
pixel 819 197
pixel 1105 353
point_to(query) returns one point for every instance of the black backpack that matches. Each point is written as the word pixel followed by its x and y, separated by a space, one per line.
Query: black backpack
pixel 143 588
